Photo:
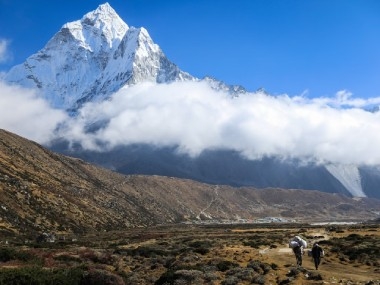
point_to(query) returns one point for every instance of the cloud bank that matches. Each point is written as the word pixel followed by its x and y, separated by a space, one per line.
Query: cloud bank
pixel 24 113
pixel 193 117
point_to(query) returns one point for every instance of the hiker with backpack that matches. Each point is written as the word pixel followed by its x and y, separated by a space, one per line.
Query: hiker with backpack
pixel 298 244
pixel 316 253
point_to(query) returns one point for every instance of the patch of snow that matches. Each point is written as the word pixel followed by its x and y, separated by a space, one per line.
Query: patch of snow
pixel 349 176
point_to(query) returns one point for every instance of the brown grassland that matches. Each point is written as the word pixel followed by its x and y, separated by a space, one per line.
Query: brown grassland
pixel 196 254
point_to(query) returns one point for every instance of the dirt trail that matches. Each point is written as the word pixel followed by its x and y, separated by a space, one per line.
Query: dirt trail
pixel 332 270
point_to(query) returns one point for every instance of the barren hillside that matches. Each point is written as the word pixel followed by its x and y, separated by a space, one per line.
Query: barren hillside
pixel 44 191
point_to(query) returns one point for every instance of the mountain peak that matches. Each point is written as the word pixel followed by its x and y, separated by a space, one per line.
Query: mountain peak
pixel 91 58
pixel 102 16
pixel 102 21
pixel 104 8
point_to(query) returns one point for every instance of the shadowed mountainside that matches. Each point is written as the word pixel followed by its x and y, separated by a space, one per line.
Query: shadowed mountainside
pixel 45 191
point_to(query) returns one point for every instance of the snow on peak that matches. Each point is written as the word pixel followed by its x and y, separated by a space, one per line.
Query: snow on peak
pixel 349 176
pixel 146 46
pixel 91 58
pixel 107 20
pixel 102 21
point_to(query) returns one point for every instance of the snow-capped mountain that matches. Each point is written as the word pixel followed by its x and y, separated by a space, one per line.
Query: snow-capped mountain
pixel 215 84
pixel 91 58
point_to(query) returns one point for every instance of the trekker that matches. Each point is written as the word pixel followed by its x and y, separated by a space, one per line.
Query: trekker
pixel 298 244
pixel 298 253
pixel 316 253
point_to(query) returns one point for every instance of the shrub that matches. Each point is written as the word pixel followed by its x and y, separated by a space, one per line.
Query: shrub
pixel 166 278
pixel 230 280
pixel 40 276
pixel 274 266
pixel 258 279
pixel 314 276
pixel 6 254
pixel 242 273
pixel 293 272
pixel 146 252
pixel 356 248
pixel 26 256
pixel 101 277
pixel 202 250
pixel 210 276
pixel 226 265
pixel 192 276
pixel 201 247
pixel 68 258
pixel 256 241
pixel 260 267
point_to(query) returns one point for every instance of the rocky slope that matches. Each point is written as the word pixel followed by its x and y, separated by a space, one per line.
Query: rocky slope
pixel 44 191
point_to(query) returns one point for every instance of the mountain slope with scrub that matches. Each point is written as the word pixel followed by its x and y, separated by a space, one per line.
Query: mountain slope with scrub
pixel 45 191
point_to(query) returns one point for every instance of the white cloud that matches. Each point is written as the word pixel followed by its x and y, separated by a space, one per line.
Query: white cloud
pixel 193 117
pixel 23 113
pixel 4 54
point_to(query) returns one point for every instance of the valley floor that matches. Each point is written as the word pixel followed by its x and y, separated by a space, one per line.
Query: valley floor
pixel 185 254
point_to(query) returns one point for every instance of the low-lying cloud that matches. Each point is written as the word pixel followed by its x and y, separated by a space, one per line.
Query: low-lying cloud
pixel 194 118
pixel 24 113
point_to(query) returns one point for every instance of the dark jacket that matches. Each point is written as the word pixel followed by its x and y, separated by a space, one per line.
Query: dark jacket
pixel 316 251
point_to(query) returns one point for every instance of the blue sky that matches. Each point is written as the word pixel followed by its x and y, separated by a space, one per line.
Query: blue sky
pixel 293 46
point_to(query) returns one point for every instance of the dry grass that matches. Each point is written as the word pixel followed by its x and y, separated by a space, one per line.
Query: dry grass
pixel 249 254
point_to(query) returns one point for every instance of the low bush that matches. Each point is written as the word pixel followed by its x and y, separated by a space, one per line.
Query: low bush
pixel 40 276
pixel 201 247
pixel 314 276
pixel 166 278
pixel 231 280
pixel 260 267
pixel 68 259
pixel 8 254
pixel 245 274
pixel 101 277
pixel 257 241
pixel 147 252
pixel 356 248
pixel 225 265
